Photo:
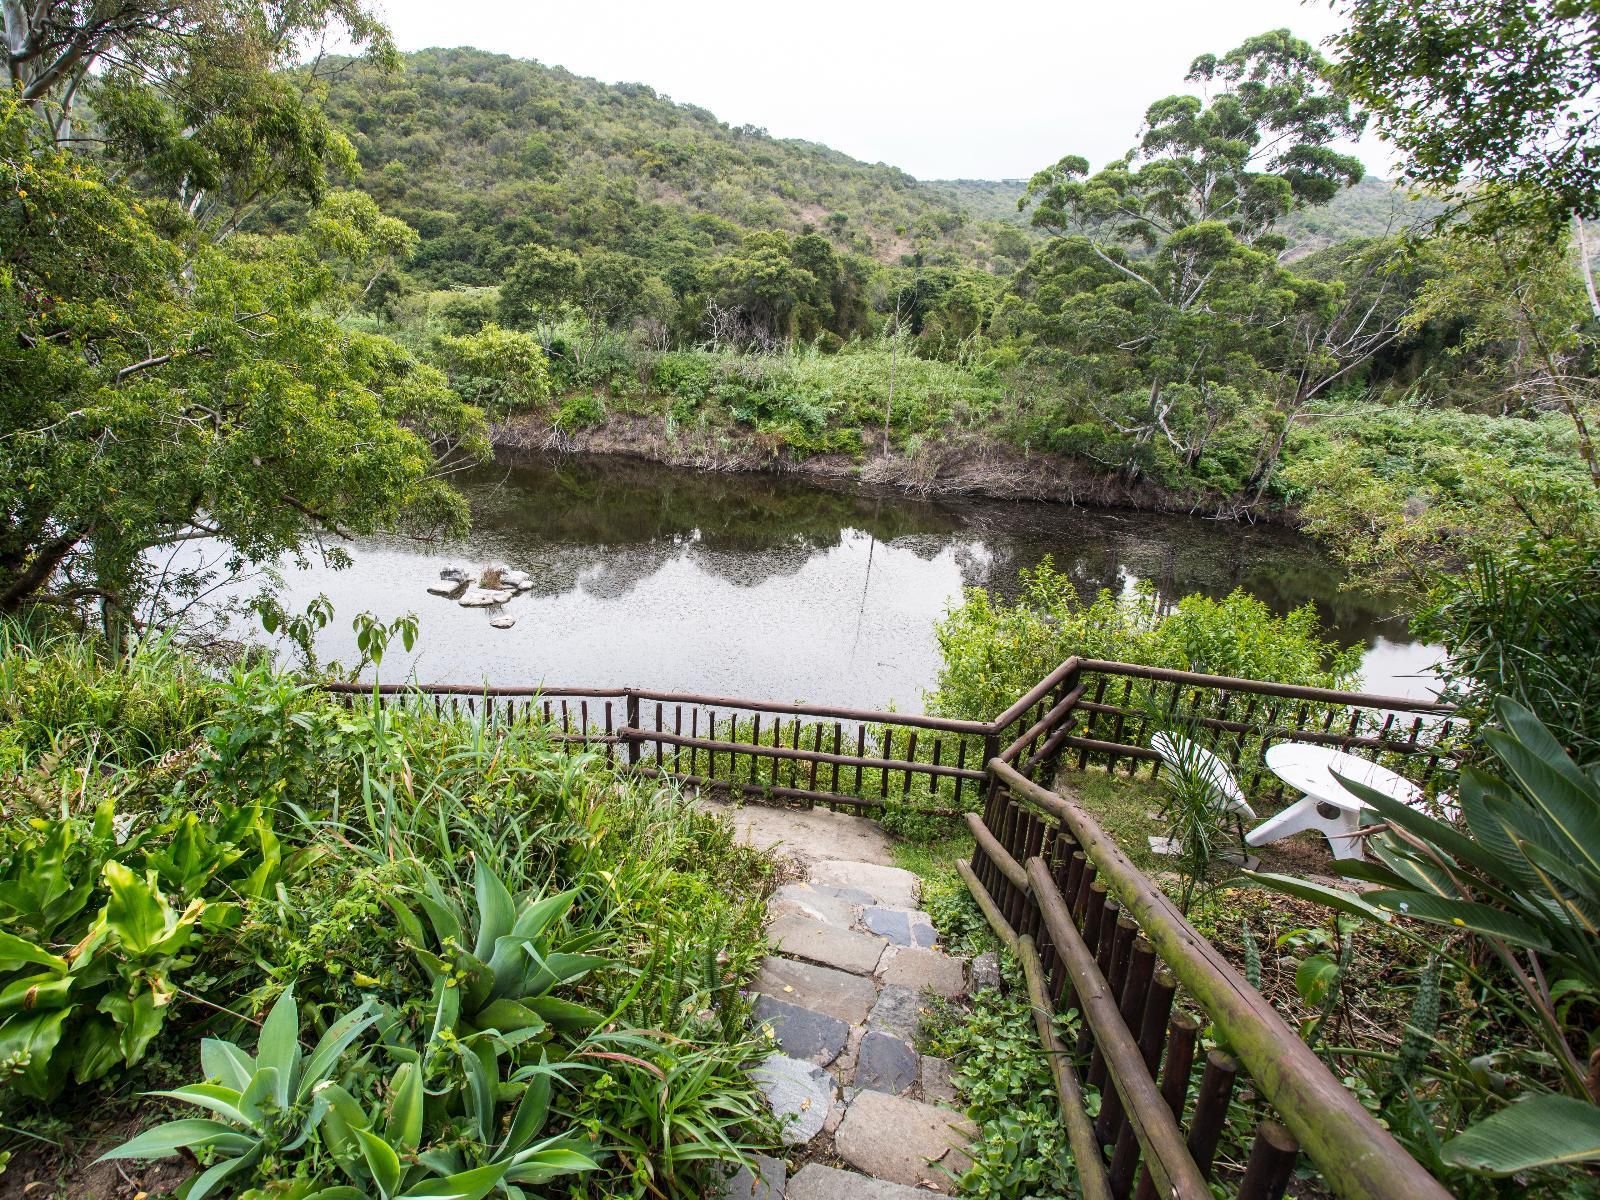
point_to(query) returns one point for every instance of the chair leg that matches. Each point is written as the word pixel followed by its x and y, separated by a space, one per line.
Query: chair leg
pixel 1297 818
pixel 1341 840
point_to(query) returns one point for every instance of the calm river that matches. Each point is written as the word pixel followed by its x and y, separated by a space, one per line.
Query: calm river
pixel 775 588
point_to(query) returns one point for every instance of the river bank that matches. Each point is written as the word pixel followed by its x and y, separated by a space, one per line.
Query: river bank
pixel 957 464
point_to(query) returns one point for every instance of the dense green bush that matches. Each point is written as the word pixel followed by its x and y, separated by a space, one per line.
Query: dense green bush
pixel 994 651
pixel 509 926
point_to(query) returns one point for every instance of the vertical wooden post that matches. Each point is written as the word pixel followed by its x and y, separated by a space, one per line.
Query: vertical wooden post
pixel 1271 1164
pixel 632 706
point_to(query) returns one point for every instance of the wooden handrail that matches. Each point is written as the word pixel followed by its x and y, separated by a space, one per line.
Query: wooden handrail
pixel 1356 1155
pixel 763 750
pixel 1286 691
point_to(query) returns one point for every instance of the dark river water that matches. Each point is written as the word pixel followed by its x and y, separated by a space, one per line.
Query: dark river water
pixel 774 588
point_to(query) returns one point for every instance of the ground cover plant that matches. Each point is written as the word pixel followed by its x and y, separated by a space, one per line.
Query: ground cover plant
pixel 368 949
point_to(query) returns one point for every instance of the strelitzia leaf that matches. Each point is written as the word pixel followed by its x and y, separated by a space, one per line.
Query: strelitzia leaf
pixel 1462 914
pixel 1550 779
pixel 404 1127
pixel 1541 1131
pixel 1334 898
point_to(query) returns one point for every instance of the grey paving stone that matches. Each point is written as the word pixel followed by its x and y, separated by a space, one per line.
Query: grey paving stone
pixel 937 1086
pixel 819 903
pixel 903 927
pixel 898 1011
pixel 798 1089
pixel 904 1141
pixel 891 887
pixel 817 1182
pixel 766 1182
pixel 801 937
pixel 886 1064
pixel 813 1036
pixel 920 970
pixel 821 989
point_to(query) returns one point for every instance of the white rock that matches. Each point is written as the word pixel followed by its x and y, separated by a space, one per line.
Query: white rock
pixel 502 622
pixel 525 586
pixel 484 597
pixel 445 589
pixel 456 574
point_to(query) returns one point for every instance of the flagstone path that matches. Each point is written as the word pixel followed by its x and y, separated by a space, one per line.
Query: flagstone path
pixel 870 1118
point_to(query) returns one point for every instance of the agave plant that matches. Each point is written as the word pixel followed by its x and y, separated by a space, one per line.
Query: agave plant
pixel 1524 877
pixel 262 1105
pixel 520 951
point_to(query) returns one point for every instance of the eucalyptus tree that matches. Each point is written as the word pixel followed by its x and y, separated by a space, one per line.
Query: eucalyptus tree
pixel 1164 288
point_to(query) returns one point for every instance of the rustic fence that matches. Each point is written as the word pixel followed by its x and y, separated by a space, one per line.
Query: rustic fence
pixel 1086 713
pixel 1091 931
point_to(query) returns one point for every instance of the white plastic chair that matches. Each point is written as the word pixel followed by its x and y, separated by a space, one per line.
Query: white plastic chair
pixel 1179 753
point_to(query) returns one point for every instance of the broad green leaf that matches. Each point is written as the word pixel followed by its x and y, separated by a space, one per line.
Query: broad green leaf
pixel 1314 977
pixel 404 1127
pixel 279 1044
pixel 223 1101
pixel 540 915
pixel 1549 778
pixel 225 1062
pixel 532 1111
pixel 1335 898
pixel 564 968
pixel 259 1102
pixel 564 1014
pixel 381 1159
pixel 14 951
pixel 507 1016
pixel 335 1042
pixel 214 1175
pixel 1541 1131
pixel 468 1185
pixel 33 993
pixel 497 912
pixel 34 1039
pixel 1462 914
pixel 483 1077
pixel 197 1133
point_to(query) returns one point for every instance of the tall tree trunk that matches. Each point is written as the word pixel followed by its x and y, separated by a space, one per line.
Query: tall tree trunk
pixel 1585 267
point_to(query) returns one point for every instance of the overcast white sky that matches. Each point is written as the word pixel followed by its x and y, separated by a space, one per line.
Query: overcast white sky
pixel 992 89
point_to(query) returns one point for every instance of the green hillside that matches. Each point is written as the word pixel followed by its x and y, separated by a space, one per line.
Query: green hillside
pixel 483 153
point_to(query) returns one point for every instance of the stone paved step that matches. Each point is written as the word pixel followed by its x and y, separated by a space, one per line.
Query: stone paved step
pixel 891 887
pixel 904 1141
pixel 843 949
pixel 813 1036
pixel 821 989
pixel 917 969
pixel 799 1089
pixel 766 1182
pixel 818 1182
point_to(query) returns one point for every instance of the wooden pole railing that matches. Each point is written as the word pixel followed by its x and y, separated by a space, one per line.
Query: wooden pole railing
pixel 1114 947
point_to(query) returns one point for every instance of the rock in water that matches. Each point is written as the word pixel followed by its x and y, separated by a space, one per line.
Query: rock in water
pixel 456 574
pixel 450 589
pixel 484 597
pixel 502 622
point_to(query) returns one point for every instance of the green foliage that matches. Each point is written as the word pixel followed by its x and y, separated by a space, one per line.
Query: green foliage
pixel 1520 876
pixel 1021 1150
pixel 537 944
pixel 163 386
pixel 994 651
pixel 1429 70
pixel 499 370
